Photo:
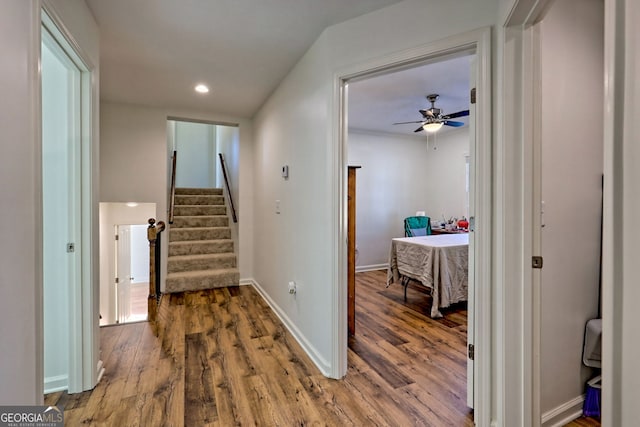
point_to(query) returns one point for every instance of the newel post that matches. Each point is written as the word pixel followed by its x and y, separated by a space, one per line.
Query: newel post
pixel 153 232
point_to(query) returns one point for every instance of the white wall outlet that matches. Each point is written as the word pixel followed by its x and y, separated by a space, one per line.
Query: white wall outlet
pixel 292 287
pixel 277 206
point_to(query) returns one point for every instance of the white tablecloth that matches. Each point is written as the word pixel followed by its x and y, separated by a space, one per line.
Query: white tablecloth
pixel 439 262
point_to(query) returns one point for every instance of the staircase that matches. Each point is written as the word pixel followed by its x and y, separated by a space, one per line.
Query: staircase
pixel 200 247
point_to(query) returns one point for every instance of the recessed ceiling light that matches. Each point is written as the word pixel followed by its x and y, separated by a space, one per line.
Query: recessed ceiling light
pixel 202 88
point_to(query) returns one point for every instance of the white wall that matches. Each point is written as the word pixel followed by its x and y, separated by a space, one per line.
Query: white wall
pixel 196 161
pixel 21 370
pixel 112 214
pixel 20 252
pixel 295 127
pixel 134 165
pixel 400 176
pixel 572 166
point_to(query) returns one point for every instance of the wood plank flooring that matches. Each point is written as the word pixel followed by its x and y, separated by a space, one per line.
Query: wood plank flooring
pixel 222 357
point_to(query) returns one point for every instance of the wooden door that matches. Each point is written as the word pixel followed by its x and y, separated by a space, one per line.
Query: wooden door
pixel 351 249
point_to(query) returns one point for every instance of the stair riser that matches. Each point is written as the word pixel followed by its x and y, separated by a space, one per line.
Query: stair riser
pixel 199 200
pixel 182 284
pixel 180 265
pixel 200 248
pixel 199 210
pixel 200 221
pixel 199 191
pixel 181 234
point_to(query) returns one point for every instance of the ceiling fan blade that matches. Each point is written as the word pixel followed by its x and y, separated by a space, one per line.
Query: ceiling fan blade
pixel 454 124
pixel 458 114
pixel 406 123
pixel 419 129
pixel 426 113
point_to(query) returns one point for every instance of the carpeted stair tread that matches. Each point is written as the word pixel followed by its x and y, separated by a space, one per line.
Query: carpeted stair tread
pixel 202 279
pixel 198 199
pixel 192 210
pixel 188 191
pixel 186 221
pixel 199 233
pixel 201 262
pixel 191 247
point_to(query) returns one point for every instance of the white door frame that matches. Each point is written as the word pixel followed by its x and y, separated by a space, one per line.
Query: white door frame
pixel 480 42
pixel 85 368
pixel 519 343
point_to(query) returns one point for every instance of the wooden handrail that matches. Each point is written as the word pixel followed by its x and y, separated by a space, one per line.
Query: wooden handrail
pixel 153 235
pixel 172 194
pixel 226 181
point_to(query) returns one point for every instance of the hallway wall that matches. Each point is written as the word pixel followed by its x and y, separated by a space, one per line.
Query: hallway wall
pixel 21 211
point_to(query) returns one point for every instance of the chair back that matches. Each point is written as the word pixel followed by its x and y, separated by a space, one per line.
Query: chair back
pixel 417 226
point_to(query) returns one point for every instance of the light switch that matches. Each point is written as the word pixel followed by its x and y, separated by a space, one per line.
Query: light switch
pixel 285 171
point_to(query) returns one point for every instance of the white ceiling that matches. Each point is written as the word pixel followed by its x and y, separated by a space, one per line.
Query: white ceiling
pixel 153 52
pixel 378 102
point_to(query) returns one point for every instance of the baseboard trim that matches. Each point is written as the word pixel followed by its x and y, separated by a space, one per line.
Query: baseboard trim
pixel 247 281
pixel 564 413
pixel 362 268
pixel 57 383
pixel 311 351
pixel 99 371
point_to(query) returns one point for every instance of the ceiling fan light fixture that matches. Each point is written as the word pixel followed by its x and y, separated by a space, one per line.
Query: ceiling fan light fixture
pixel 201 88
pixel 432 127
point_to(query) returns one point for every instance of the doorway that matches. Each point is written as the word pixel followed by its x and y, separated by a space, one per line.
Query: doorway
pixel 407 173
pixel 567 286
pixel 132 273
pixel 472 43
pixel 124 266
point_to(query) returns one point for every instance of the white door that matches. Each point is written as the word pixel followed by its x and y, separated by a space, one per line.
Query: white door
pixel 123 273
pixel 62 273
pixel 471 182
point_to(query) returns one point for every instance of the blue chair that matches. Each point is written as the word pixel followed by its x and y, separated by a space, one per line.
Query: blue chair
pixel 417 226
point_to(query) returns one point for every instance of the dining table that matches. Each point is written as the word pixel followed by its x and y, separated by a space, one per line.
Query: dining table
pixel 438 262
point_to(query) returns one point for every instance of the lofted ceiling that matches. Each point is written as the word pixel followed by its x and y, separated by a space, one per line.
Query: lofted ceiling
pixel 378 102
pixel 153 52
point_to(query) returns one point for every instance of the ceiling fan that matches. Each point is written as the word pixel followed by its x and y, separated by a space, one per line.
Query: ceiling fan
pixel 433 119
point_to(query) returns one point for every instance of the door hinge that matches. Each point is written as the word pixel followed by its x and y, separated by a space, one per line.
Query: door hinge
pixel 117 280
pixel 536 262
pixel 472 351
pixel 117 237
pixel 473 95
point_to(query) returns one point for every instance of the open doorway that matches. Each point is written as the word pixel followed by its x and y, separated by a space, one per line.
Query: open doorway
pixel 408 172
pixel 124 266
pixel 475 44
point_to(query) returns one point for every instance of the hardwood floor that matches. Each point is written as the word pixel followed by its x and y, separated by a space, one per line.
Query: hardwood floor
pixel 585 422
pixel 222 357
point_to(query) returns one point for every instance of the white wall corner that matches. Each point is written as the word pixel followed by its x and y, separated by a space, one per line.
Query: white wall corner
pixel 249 281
